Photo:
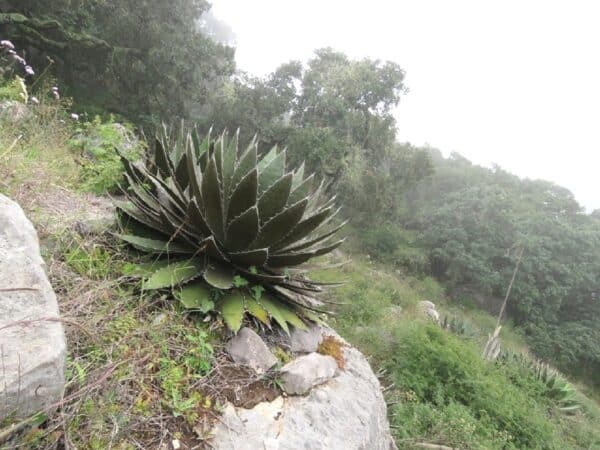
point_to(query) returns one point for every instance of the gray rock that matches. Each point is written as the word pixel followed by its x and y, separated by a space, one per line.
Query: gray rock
pixel 32 344
pixel 306 341
pixel 429 310
pixel 348 412
pixel 305 372
pixel 249 349
pixel 14 111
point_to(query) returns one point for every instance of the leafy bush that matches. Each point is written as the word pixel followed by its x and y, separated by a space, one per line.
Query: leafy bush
pixel 456 389
pixel 99 145
pixel 239 223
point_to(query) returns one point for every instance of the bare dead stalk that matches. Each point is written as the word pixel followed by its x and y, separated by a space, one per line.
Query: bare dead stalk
pixel 11 146
pixel 514 275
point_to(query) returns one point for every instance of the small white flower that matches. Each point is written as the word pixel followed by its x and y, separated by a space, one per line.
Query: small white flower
pixel 54 88
pixel 34 100
pixel 75 116
pixel 56 95
pixel 12 52
pixel 29 70
pixel 7 45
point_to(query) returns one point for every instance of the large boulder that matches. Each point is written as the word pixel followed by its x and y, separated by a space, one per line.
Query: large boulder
pixel 347 412
pixel 32 340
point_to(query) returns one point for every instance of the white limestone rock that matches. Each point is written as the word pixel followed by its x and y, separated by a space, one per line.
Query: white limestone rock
pixel 32 341
pixel 347 412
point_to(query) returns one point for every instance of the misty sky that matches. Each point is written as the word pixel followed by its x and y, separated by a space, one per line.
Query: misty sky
pixel 515 83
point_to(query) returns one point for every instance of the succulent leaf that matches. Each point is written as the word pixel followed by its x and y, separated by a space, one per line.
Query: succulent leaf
pixel 174 274
pixel 195 296
pixel 219 276
pixel 233 309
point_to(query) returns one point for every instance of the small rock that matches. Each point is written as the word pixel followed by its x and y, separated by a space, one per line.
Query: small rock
pixel 249 349
pixel 306 341
pixel 307 371
pixel 159 319
pixel 426 304
pixel 176 444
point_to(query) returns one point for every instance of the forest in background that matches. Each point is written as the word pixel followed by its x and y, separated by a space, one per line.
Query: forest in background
pixel 151 61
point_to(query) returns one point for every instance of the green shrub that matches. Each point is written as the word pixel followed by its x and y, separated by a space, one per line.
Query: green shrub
pixel 448 375
pixel 99 145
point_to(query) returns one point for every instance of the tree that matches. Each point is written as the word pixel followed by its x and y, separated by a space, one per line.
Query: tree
pixel 143 59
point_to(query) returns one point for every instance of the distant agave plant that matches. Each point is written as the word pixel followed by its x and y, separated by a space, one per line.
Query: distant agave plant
pixel 218 217
pixel 557 388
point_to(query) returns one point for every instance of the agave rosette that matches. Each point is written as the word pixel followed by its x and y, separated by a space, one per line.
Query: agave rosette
pixel 219 217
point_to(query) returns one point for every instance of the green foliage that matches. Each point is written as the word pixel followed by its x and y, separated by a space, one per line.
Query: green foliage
pixel 556 387
pixel 99 145
pixel 445 372
pixel 176 375
pixel 141 62
pixel 14 89
pixel 471 221
pixel 238 222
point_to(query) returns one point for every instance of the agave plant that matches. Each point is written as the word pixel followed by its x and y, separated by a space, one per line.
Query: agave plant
pixel 557 387
pixel 218 217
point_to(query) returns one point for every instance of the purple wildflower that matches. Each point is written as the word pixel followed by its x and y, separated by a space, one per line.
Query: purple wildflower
pixel 7 45
pixel 18 59
pixel 29 70
pixel 34 100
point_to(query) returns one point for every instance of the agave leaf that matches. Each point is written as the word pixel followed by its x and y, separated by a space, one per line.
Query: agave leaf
pixel 161 159
pixel 142 270
pixel 300 299
pixel 267 159
pixel 246 163
pixel 272 306
pixel 142 217
pixel 298 177
pixel 195 296
pixel 144 195
pixel 243 230
pixel 280 225
pixel 302 190
pixel 256 258
pixel 196 218
pixel 294 259
pixel 229 158
pixel 292 317
pixel 211 194
pixel 257 310
pixel 233 309
pixel 153 245
pixel 218 153
pixel 244 196
pixel 275 198
pixel 174 274
pixel 304 228
pixel 316 240
pixel 271 173
pixel 194 176
pixel 181 172
pixel 219 276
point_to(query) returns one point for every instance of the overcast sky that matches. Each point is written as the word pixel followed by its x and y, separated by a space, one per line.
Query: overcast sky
pixel 515 83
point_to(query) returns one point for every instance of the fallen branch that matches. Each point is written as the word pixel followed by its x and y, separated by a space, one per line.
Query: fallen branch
pixel 434 446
